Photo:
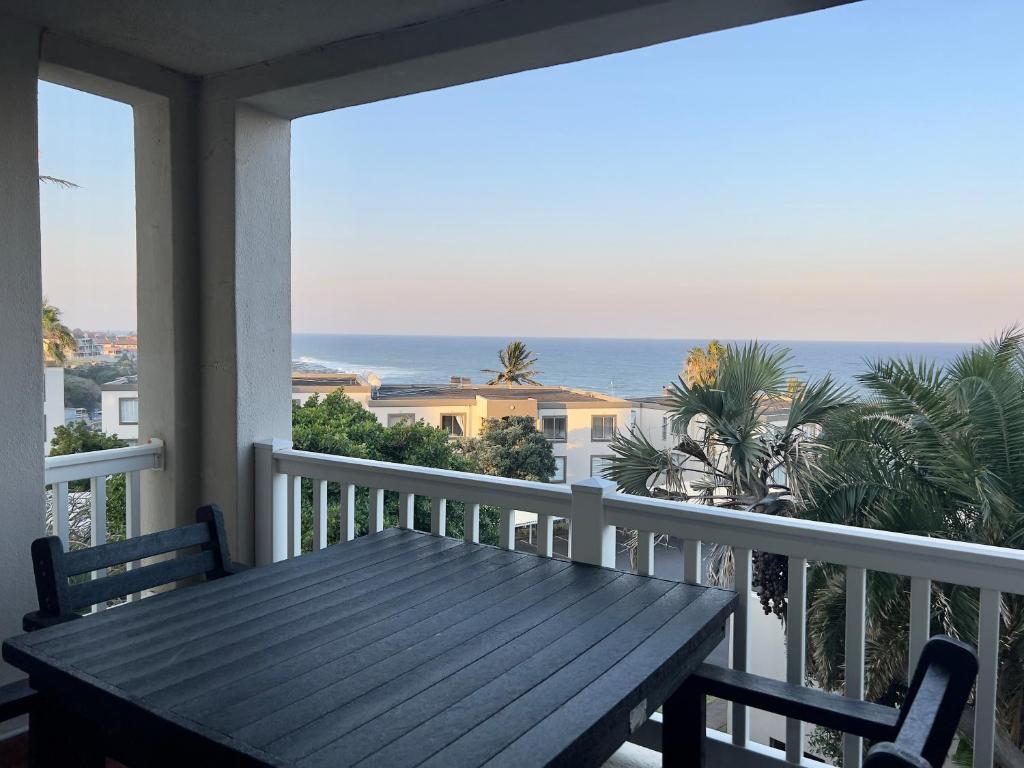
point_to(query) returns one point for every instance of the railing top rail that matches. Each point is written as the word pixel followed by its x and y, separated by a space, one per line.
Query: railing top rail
pixel 543 498
pixel 82 466
pixel 956 562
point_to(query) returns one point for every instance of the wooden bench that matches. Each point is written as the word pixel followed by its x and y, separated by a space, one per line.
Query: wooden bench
pixel 918 735
pixel 61 601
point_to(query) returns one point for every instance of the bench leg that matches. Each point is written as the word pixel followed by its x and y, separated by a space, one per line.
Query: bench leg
pixel 684 719
pixel 57 737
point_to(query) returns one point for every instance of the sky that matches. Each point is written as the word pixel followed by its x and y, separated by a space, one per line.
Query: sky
pixel 854 174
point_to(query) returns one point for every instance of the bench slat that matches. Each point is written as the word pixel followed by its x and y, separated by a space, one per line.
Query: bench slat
pixel 150 545
pixel 138 579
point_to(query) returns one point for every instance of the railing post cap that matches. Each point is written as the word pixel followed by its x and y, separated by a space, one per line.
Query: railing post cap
pixel 594 485
pixel 274 444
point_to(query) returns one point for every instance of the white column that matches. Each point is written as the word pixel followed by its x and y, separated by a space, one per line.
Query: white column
pixel 592 539
pixel 21 372
pixel 245 303
pixel 166 235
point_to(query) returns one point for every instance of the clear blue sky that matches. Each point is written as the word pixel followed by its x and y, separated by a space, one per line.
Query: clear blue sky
pixel 856 173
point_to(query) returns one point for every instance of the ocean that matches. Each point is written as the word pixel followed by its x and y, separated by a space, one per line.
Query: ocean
pixel 622 367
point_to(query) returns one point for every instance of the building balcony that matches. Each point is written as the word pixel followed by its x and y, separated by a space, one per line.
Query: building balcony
pixel 588 515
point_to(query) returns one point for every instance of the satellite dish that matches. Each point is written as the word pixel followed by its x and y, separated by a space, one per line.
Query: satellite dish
pixel 373 380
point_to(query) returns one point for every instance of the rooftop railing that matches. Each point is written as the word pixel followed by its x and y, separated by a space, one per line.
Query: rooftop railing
pixel 594 511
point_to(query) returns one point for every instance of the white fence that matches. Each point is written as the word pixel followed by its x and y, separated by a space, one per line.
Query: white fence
pixel 95 467
pixel 594 512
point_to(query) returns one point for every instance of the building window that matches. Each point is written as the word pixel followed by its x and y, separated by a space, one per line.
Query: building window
pixel 454 424
pixel 128 410
pixel 599 465
pixel 553 428
pixel 401 418
pixel 602 428
pixel 559 476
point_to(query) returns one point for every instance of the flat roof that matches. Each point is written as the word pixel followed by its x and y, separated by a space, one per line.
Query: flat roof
pixel 455 392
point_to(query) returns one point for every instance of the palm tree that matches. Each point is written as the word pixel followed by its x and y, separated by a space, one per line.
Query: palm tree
pixel 516 366
pixel 701 364
pixel 729 454
pixel 57 337
pixel 938 452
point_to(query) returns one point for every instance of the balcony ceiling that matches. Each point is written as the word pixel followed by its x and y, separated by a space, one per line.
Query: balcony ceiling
pixel 200 37
pixel 299 57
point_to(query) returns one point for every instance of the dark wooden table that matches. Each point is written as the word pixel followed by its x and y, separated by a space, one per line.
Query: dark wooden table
pixel 396 649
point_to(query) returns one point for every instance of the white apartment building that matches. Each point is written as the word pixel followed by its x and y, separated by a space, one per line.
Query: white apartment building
pixel 120 408
pixel 53 401
pixel 578 423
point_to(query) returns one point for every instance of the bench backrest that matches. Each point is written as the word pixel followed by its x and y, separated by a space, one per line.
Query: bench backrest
pixel 929 717
pixel 61 600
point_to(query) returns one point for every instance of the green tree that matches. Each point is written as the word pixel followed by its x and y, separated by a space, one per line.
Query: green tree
pixel 516 366
pixel 730 455
pixel 936 452
pixel 338 425
pixel 81 393
pixel 101 373
pixel 512 447
pixel 58 340
pixel 78 438
pixel 701 364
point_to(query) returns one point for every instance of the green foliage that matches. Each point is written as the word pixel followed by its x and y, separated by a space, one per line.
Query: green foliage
pixel 81 393
pixel 516 366
pixel 701 364
pixel 58 341
pixel 338 425
pixel 101 373
pixel 78 438
pixel 934 452
pixel 727 446
pixel 512 447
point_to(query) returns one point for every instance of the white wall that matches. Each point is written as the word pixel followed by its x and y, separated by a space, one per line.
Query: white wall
pixel 53 401
pixel 578 447
pixel 21 289
pixel 111 417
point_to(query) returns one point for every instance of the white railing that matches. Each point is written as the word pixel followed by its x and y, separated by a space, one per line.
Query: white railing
pixel 96 467
pixel 594 512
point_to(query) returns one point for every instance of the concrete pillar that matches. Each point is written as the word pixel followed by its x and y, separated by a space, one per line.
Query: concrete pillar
pixel 166 178
pixel 21 352
pixel 245 303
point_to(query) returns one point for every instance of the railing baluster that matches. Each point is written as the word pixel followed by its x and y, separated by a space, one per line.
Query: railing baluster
pixel 61 514
pixel 545 535
pixel 471 524
pixel 438 513
pixel 920 620
pixel 376 521
pixel 294 515
pixel 796 649
pixel 693 570
pixel 507 532
pixel 98 532
pixel 347 510
pixel 319 514
pixel 988 668
pixel 407 511
pixel 133 517
pixel 741 638
pixel 856 603
pixel 645 553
